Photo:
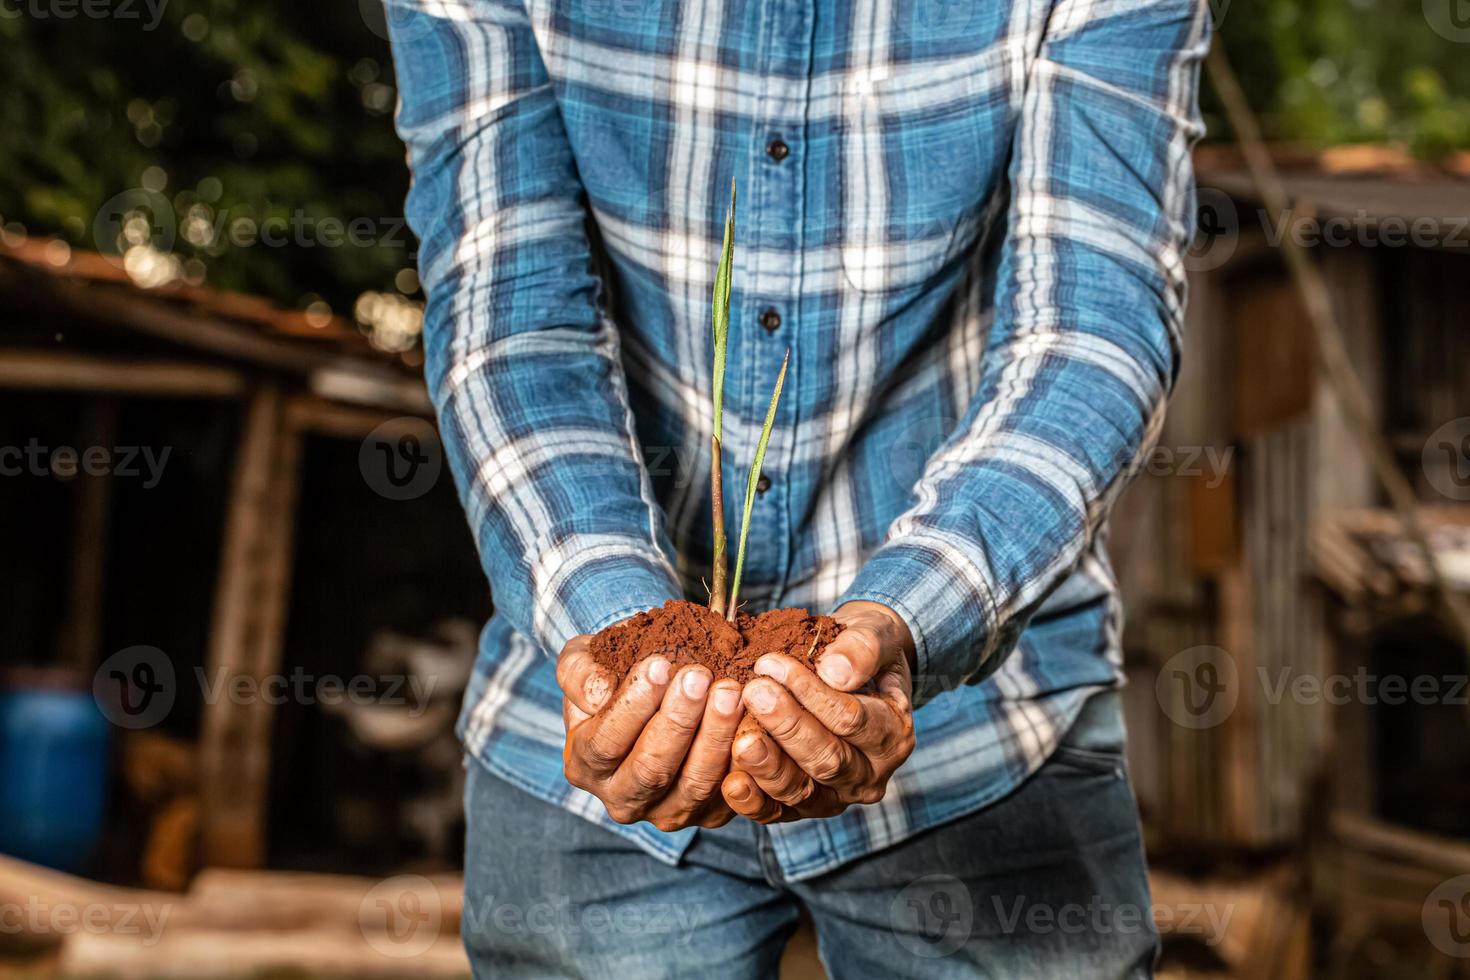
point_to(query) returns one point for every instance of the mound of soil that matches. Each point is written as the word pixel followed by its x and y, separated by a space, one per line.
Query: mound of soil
pixel 686 633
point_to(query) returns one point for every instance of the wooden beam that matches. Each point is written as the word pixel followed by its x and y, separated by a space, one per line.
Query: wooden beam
pixel 242 924
pixel 65 371
pixel 373 389
pixel 224 954
pixel 246 636
pixel 114 306
pixel 83 629
pixel 320 416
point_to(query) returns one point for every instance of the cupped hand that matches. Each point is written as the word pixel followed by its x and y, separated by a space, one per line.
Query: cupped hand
pixel 816 742
pixel 654 747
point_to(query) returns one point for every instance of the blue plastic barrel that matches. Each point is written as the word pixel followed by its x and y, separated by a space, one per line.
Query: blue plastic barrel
pixel 53 773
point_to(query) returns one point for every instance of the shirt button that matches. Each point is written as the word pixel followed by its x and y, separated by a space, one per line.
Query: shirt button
pixel 771 320
pixel 763 484
pixel 777 149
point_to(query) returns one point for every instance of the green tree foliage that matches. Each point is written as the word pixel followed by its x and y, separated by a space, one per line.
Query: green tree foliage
pixel 1324 72
pixel 261 129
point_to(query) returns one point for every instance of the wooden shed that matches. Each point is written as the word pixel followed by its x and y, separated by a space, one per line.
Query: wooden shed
pixel 269 539
pixel 1242 545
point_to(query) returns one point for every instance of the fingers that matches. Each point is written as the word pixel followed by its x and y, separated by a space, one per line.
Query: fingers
pixel 851 660
pixel 775 773
pixel 583 681
pixel 601 744
pixel 896 686
pixel 694 798
pixel 844 715
pixel 709 758
pixel 808 741
pixel 873 637
pixel 745 798
pixel 571 717
pixel 649 770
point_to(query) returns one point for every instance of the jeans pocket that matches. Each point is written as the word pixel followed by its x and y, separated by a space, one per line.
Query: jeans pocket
pixel 1092 761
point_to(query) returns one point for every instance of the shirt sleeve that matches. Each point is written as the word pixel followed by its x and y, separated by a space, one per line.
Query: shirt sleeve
pixel 522 365
pixel 1085 342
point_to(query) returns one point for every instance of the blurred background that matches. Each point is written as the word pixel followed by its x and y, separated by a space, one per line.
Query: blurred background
pixel 241 601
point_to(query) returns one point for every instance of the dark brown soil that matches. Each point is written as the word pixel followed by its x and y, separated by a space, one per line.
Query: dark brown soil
pixel 687 633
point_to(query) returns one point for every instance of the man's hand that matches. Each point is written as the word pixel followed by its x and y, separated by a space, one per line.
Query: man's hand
pixel 819 748
pixel 655 748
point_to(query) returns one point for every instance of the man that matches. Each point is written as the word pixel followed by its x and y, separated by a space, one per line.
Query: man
pixel 966 222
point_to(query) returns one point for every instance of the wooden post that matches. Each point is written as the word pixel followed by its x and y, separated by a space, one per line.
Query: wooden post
pixel 246 637
pixel 83 631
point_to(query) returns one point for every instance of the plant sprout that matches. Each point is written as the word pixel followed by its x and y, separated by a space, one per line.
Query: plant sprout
pixel 721 323
pixel 750 484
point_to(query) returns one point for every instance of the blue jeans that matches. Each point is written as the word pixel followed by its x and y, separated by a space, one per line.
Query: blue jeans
pixel 1048 882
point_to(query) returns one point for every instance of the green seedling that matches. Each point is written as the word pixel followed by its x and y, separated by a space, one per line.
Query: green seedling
pixel 750 484
pixel 720 318
pixel 721 322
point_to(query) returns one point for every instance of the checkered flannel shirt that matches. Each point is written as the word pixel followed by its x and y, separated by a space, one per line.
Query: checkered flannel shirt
pixel 965 220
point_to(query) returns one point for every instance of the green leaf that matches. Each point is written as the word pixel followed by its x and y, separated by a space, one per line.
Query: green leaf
pixel 720 314
pixel 750 483
pixel 721 308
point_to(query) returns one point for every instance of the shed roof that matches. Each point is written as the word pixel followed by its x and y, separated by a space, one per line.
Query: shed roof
pixel 1374 182
pixel 49 279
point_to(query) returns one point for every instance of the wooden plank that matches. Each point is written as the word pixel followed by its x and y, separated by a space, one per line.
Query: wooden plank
pixel 1273 361
pixel 22 884
pixel 112 306
pixel 374 388
pixel 309 413
pixel 83 632
pixel 245 640
pixel 242 924
pixel 57 371
pixel 1446 857
pixel 196 954
pixel 1214 532
pixel 296 899
pixel 1343 476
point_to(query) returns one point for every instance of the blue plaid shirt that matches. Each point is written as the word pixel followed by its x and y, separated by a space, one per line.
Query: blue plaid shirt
pixel 966 221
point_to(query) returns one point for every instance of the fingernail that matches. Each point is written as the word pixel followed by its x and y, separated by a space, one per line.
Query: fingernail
pixel 727 699
pixel 658 671
pixel 761 698
pixel 596 690
pixel 695 683
pixel 835 670
pixel 772 667
pixel 753 750
pixel 740 791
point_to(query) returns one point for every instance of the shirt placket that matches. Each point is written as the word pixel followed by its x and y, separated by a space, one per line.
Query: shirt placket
pixel 779 175
pixel 777 182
